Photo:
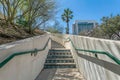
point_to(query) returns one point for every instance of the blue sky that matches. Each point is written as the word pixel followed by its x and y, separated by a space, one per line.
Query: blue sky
pixel 88 9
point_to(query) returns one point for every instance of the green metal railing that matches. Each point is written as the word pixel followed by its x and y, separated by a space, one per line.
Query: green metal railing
pixel 96 52
pixel 21 53
pixel 37 50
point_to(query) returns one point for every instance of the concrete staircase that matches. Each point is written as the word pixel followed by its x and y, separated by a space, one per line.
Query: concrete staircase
pixel 59 65
pixel 55 44
pixel 59 59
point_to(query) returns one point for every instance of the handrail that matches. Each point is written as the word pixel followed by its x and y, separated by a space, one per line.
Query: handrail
pixel 96 52
pixel 21 53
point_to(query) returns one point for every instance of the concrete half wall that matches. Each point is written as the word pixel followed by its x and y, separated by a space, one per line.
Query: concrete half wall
pixel 27 66
pixel 101 68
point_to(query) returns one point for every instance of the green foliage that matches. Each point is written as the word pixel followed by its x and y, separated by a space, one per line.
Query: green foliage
pixel 10 9
pixel 66 17
pixel 30 13
pixel 98 33
pixel 22 22
pixel 111 26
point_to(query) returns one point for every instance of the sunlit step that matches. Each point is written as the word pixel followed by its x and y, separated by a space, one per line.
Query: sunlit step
pixel 60 65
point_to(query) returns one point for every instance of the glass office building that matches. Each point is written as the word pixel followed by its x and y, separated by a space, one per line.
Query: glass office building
pixel 86 25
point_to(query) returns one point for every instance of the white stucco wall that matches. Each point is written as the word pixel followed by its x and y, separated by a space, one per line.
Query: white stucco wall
pixel 90 70
pixel 101 68
pixel 24 67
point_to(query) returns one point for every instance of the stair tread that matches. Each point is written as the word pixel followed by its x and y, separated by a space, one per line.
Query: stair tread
pixel 59 55
pixel 58 52
pixel 61 59
pixel 59 63
pixel 59 49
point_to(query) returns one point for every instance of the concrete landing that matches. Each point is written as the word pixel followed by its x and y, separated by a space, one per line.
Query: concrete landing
pixel 60 74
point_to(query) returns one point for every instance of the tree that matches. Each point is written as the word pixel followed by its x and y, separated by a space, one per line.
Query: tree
pixel 55 28
pixel 111 26
pixel 28 13
pixel 97 32
pixel 37 12
pixel 10 9
pixel 108 29
pixel 66 16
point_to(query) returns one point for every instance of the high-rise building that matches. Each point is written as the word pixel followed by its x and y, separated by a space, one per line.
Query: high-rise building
pixel 83 25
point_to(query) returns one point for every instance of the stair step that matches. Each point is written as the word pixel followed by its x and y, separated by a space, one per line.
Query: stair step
pixel 59 56
pixel 59 51
pixel 59 61
pixel 55 64
pixel 59 48
pixel 55 44
pixel 60 65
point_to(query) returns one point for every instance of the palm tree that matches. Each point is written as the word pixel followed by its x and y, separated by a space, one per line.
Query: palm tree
pixel 66 16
